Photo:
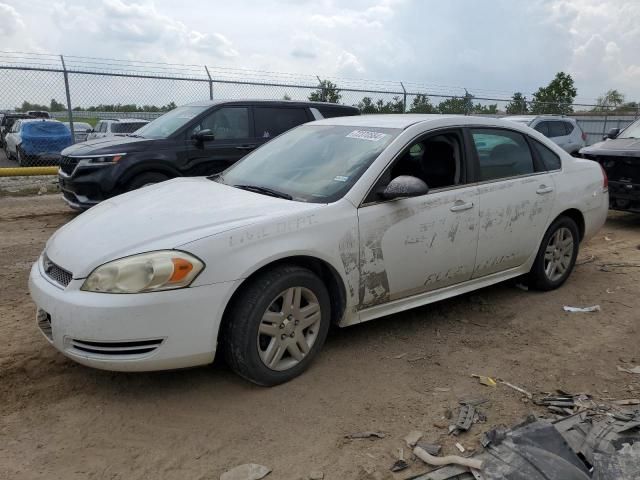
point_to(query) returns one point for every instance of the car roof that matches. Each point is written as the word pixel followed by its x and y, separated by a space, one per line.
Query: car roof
pixel 281 103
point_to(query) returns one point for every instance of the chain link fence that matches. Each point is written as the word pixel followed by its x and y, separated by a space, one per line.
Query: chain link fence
pixel 48 102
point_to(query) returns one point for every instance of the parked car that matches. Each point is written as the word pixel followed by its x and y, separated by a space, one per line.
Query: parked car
pixel 562 130
pixel 38 114
pixel 7 122
pixel 340 221
pixel 619 155
pixel 117 126
pixel 37 141
pixel 80 130
pixel 196 139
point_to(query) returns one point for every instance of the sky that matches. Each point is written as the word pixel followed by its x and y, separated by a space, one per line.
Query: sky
pixel 491 47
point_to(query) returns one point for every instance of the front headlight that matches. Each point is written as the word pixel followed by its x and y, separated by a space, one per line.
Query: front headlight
pixel 147 272
pixel 105 159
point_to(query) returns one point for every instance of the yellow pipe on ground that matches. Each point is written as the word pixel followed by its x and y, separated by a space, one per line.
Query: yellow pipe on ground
pixel 27 171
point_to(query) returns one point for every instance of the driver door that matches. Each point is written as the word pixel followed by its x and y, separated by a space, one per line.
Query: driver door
pixel 413 245
pixel 233 140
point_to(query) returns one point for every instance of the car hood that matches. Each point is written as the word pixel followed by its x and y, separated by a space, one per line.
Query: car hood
pixel 101 146
pixel 628 147
pixel 162 216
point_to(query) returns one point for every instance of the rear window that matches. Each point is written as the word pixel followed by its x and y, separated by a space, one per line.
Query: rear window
pixel 557 129
pixel 44 128
pixel 271 122
pixel 331 112
pixel 124 127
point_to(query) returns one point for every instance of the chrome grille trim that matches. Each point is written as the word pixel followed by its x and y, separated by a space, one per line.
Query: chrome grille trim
pixel 137 347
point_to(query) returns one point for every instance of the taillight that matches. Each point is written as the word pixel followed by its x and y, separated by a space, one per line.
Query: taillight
pixel 584 136
pixel 605 179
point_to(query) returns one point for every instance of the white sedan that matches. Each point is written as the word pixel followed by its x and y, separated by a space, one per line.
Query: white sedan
pixel 339 221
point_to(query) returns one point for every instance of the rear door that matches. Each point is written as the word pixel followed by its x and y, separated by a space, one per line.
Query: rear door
pixel 234 138
pixel 271 121
pixel 516 194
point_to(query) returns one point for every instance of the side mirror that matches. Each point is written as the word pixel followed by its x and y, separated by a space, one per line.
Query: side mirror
pixel 205 135
pixel 613 133
pixel 404 186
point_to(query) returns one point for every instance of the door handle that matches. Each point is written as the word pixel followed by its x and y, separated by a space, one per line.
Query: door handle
pixel 542 189
pixel 245 147
pixel 460 206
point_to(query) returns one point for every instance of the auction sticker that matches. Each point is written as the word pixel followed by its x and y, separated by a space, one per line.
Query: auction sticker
pixel 367 135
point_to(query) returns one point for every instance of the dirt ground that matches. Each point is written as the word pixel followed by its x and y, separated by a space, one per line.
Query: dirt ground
pixel 61 420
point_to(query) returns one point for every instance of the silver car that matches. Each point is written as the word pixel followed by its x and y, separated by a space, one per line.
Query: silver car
pixel 80 130
pixel 563 131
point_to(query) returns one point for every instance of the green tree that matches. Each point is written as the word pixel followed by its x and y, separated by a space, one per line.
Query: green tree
pixel 453 105
pixel 26 106
pixel 518 104
pixel 422 104
pixel 555 98
pixel 609 101
pixel 490 109
pixel 286 97
pixel 56 106
pixel 327 92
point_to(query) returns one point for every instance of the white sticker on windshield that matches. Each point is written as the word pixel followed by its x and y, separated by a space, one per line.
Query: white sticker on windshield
pixel 340 178
pixel 367 135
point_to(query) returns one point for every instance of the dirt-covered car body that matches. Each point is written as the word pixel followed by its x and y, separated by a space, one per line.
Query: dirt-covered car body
pixel 482 221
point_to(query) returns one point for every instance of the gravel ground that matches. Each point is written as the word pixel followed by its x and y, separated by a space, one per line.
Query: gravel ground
pixel 61 420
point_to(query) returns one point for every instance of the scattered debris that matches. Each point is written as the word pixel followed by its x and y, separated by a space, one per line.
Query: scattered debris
pixel 464 421
pixel 629 370
pixel 488 381
pixel 594 308
pixel 248 471
pixel 317 475
pixel 448 460
pixel 608 239
pixel 399 464
pixel 416 358
pixel 460 447
pixel 413 437
pixel 522 287
pixel 402 355
pixel 516 388
pixel 630 401
pixel 474 401
pixel 586 260
pixel 360 435
pixel 442 389
pixel 430 448
pixel 620 265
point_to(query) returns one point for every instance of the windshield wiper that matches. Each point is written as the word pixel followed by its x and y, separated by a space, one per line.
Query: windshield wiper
pixel 134 135
pixel 265 191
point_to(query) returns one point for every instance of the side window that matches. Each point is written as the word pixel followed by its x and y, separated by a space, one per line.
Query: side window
pixel 557 129
pixel 227 123
pixel 502 153
pixel 102 127
pixel 436 159
pixel 272 121
pixel 550 160
pixel 16 127
pixel 568 126
pixel 543 128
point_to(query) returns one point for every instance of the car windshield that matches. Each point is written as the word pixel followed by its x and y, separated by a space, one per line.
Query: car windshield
pixel 170 122
pixel 126 127
pixel 632 131
pixel 311 163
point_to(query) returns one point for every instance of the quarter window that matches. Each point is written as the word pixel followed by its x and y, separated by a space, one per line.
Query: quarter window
pixel 271 122
pixel 502 153
pixel 550 160
pixel 227 123
pixel 543 128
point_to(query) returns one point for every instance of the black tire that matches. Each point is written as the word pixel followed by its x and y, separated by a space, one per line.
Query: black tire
pixel 144 179
pixel 239 336
pixel 538 277
pixel 23 160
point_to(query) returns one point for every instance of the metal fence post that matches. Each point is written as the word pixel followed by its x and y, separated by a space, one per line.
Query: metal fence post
pixel 210 83
pixel 69 109
pixel 404 98
pixel 604 126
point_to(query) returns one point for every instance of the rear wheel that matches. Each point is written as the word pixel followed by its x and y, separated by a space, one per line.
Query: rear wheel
pixel 277 325
pixel 145 179
pixel 557 255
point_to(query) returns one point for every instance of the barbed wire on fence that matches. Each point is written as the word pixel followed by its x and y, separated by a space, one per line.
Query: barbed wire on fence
pixel 89 89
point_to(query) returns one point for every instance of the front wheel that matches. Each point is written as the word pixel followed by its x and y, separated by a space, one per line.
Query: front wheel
pixel 23 160
pixel 277 325
pixel 145 179
pixel 557 255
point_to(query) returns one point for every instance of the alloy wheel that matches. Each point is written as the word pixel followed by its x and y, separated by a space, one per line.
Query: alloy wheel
pixel 289 328
pixel 558 254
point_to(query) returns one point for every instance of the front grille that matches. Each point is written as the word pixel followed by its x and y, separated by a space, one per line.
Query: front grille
pixel 137 347
pixel 56 273
pixel 68 164
pixel 44 323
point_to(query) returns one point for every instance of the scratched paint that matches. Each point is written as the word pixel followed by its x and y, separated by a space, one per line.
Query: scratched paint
pixel 261 232
pixel 348 248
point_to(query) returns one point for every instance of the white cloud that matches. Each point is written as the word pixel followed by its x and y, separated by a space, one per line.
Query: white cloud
pixel 11 20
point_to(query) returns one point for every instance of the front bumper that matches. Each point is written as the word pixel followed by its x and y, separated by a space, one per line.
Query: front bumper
pixel 130 332
pixel 624 196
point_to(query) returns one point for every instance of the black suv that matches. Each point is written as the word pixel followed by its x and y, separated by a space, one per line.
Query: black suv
pixel 200 138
